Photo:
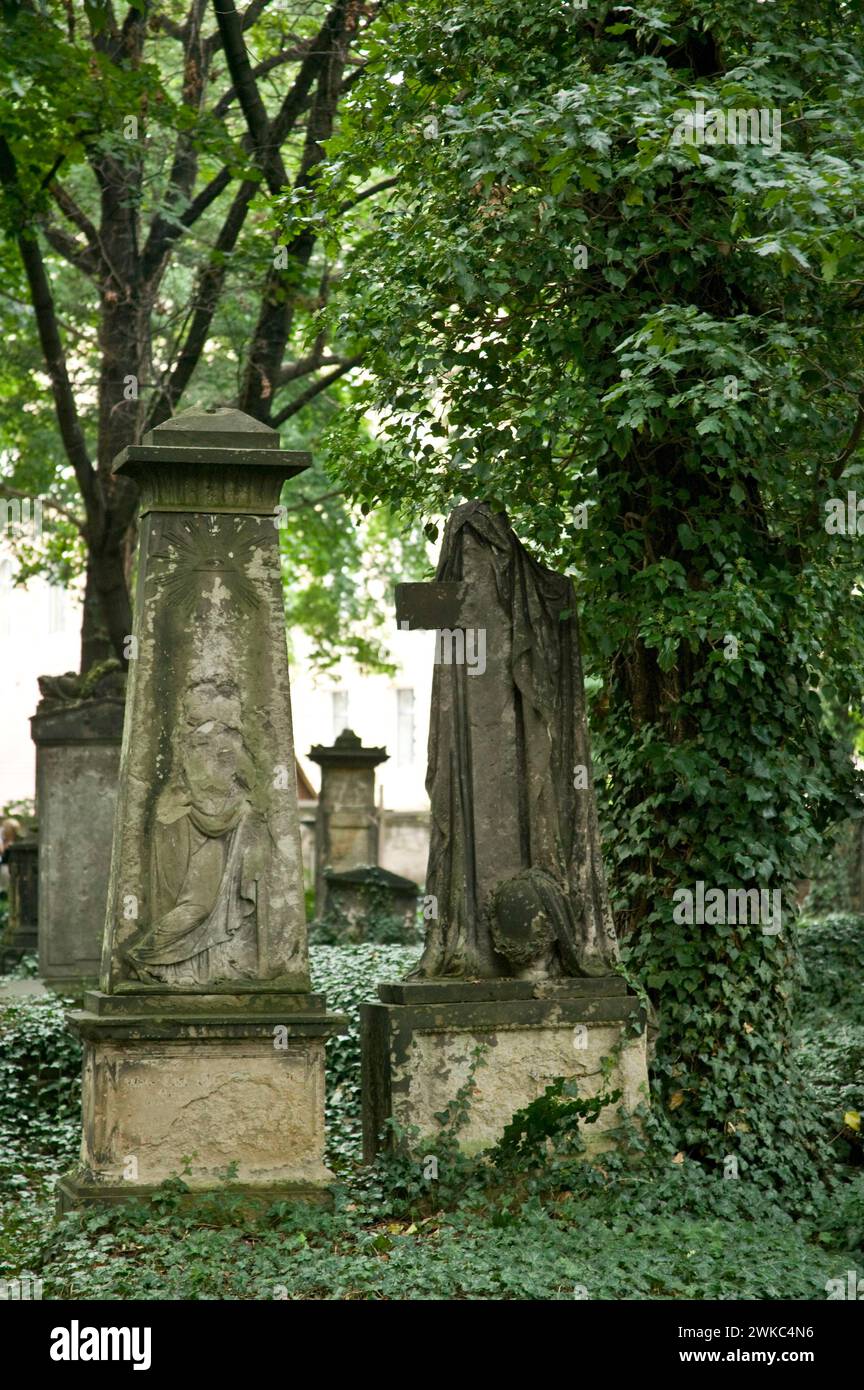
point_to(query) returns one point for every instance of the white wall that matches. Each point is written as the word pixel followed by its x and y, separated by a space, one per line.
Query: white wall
pixel 40 634
pixel 373 713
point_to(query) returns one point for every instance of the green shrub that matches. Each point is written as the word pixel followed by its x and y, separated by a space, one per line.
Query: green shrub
pixel 40 1091
pixel 832 956
pixel 348 975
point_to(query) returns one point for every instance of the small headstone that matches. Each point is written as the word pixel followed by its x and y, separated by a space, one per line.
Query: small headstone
pixel 346 823
pixel 372 903
pixel 21 935
pixel 77 729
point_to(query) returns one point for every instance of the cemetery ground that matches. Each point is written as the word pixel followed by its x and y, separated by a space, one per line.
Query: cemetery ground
pixel 529 1220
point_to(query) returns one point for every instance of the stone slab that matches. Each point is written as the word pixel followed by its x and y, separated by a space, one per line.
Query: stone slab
pixel 154 1002
pixel 190 1018
pixel 74 1192
pixel 226 1096
pixel 22 989
pixel 474 991
pixel 76 796
pixel 416 1058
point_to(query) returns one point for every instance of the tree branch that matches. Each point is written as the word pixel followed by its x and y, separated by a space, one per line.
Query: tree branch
pixel 368 193
pixel 203 308
pixel 312 391
pixel 304 365
pixel 318 56
pixel 83 258
pixel 254 110
pixel 184 166
pixel 278 60
pixel 52 350
pixel 854 440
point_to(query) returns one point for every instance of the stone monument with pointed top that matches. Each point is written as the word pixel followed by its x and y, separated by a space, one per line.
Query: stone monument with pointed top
pixel 203 1046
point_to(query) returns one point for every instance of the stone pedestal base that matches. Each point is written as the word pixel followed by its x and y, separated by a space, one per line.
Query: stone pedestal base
pixel 419 1040
pixel 215 1089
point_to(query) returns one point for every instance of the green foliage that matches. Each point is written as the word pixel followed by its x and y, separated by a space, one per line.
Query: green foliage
pixel 563 308
pixel 640 1223
pixel 339 569
pixel 832 956
pixel 348 975
pixel 67 98
pixel 830 1033
pixel 837 876
pixel 26 967
pixel 40 1095
pixel 549 1123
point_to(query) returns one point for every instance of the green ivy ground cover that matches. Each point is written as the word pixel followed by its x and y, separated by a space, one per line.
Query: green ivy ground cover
pixel 528 1224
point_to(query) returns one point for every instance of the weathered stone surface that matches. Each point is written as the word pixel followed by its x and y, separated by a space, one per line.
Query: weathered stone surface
pixel 204 1038
pixel 515 866
pixel 370 894
pixel 206 878
pixel 222 1100
pixel 416 1058
pixel 477 991
pixel 346 821
pixel 77 767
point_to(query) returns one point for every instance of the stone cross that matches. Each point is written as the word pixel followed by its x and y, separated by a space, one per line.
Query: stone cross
pixel 471 607
pixel 515 872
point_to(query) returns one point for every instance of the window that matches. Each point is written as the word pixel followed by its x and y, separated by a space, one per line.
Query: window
pixel 404 728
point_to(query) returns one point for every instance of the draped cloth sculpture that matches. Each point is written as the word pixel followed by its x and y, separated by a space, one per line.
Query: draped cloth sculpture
pixel 515 870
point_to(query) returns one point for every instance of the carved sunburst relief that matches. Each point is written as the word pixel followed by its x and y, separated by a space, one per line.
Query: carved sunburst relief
pixel 203 548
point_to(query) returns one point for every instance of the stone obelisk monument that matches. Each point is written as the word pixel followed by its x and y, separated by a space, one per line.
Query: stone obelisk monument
pixel 204 1041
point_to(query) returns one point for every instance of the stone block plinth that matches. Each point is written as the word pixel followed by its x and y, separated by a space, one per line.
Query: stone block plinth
pixel 216 1089
pixel 419 1040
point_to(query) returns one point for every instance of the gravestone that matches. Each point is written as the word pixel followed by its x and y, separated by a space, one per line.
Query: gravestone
pixel 21 935
pixel 204 1041
pixel 360 898
pixel 77 731
pixel 521 956
pixel 346 822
